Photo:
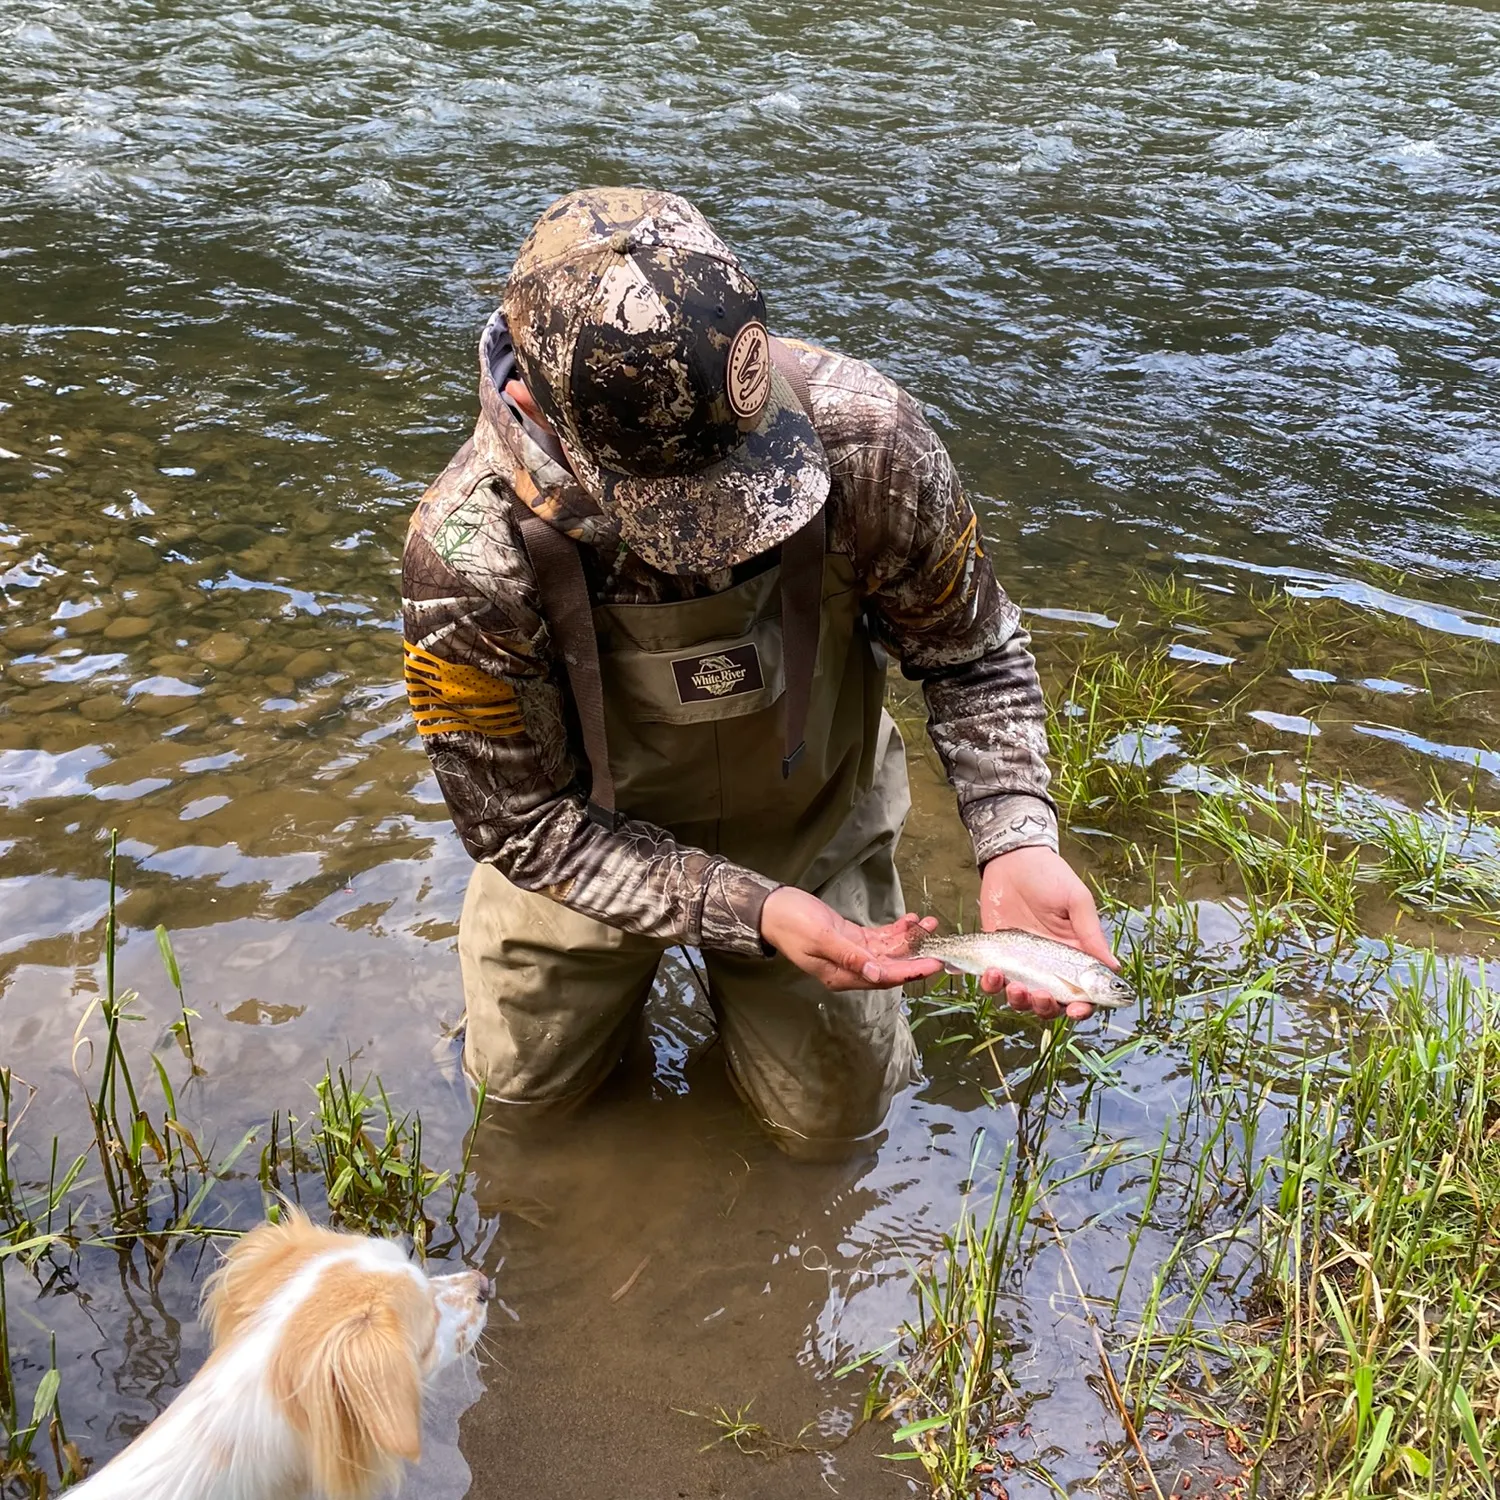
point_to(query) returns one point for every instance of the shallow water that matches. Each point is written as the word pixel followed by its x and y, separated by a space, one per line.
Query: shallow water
pixel 1214 290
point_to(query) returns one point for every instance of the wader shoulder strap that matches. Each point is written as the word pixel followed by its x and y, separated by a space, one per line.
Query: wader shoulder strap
pixel 801 588
pixel 569 613
pixel 801 618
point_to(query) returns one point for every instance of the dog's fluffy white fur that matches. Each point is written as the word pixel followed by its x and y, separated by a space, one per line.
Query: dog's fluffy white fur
pixel 321 1345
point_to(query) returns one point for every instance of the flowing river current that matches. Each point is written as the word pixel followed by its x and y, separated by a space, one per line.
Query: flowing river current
pixel 1211 291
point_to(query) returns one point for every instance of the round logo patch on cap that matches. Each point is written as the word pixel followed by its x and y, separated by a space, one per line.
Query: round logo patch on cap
pixel 747 375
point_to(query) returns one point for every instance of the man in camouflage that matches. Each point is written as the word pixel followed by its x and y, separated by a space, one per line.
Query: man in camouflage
pixel 632 400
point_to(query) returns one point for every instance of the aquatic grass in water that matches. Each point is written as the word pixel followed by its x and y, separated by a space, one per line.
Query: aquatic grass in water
pixel 1116 717
pixel 1444 858
pixel 367 1159
pixel 955 1011
pixel 1281 855
pixel 143 1184
pixel 1163 953
pixel 1362 1245
pixel 34 1428
pixel 1262 993
pixel 1306 631
pixel 1323 1292
pixel 1282 841
pixel 945 1387
pixel 30 1222
pixel 156 1178
pixel 1382 1256
pixel 1173 600
pixel 754 1439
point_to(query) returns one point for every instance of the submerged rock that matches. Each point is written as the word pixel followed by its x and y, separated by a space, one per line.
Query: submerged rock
pixel 136 557
pixel 146 601
pixel 128 628
pixel 90 622
pixel 222 650
pixel 101 710
pixel 308 664
pixel 29 638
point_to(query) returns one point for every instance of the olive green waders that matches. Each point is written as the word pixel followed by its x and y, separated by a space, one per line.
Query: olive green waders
pixel 779 756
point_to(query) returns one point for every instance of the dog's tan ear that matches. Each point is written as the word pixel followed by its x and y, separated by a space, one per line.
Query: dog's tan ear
pixel 347 1376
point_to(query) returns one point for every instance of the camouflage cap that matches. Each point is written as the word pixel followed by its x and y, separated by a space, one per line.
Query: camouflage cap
pixel 644 342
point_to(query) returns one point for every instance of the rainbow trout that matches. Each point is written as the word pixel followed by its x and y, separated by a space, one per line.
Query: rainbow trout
pixel 1037 962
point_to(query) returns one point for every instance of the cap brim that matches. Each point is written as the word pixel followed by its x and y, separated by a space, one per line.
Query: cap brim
pixel 768 488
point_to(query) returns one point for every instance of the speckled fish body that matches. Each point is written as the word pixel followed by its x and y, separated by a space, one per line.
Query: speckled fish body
pixel 1037 962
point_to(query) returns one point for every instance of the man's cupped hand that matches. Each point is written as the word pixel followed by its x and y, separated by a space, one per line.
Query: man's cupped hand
pixel 1038 891
pixel 838 953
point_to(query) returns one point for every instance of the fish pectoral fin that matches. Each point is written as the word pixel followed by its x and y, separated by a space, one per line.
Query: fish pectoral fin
pixel 1069 993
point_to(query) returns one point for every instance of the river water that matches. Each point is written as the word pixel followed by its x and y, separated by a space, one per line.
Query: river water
pixel 1213 288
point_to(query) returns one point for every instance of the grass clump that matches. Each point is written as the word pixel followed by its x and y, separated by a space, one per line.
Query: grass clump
pixel 1117 716
pixel 1444 858
pixel 750 1437
pixel 946 1385
pixel 1173 600
pixel 143 1179
pixel 1282 854
pixel 367 1159
pixel 1308 631
pixel 32 1428
pixel 1382 1256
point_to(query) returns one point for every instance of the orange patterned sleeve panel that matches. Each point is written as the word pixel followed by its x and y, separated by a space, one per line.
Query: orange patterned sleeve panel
pixel 446 696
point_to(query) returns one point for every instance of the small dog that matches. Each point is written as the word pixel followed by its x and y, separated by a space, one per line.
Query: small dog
pixel 321 1344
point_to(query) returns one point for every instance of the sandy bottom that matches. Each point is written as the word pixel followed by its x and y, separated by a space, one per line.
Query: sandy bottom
pixel 727 1307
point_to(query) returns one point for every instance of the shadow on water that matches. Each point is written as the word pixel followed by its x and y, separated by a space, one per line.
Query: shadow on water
pixel 1204 304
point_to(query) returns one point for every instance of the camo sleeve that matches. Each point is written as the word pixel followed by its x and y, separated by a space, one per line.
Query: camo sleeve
pixel 936 602
pixel 490 713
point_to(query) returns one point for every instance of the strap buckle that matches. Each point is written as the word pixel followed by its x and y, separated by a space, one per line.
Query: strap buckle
pixel 605 817
pixel 790 762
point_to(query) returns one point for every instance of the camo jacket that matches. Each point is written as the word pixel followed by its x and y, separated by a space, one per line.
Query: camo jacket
pixel 488 696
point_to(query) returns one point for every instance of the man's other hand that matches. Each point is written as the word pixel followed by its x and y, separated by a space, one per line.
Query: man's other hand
pixel 1036 890
pixel 840 954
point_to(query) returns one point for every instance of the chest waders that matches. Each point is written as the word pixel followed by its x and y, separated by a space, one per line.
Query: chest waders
pixel 748 723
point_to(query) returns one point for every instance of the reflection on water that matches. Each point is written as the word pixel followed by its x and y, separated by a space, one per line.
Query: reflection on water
pixel 1212 285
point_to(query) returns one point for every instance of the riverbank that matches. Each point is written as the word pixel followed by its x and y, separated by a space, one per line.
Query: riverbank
pixel 1308 1296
